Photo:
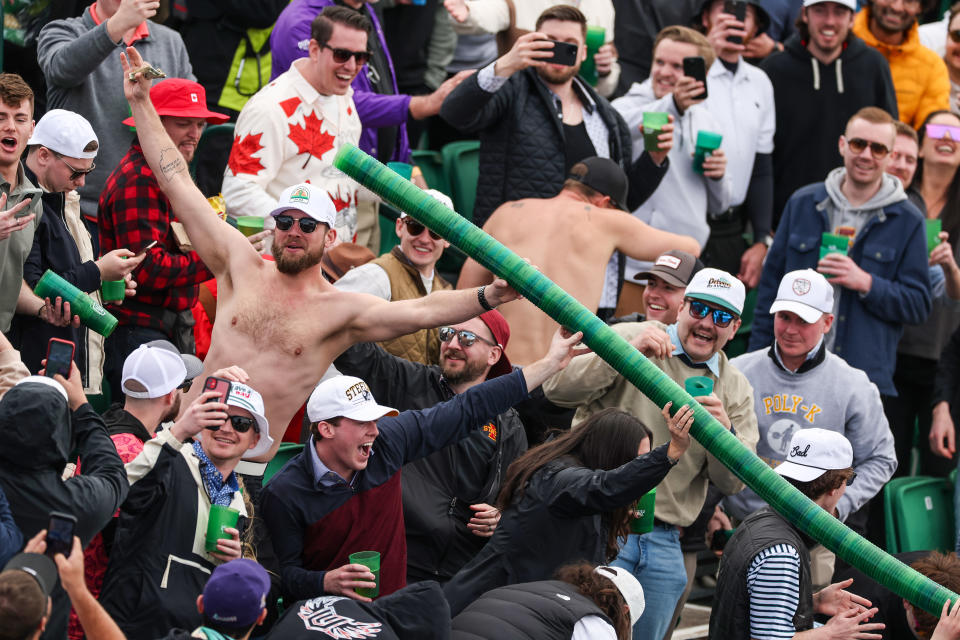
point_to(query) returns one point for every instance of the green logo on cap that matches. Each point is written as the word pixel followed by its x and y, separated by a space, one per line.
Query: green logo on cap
pixel 300 194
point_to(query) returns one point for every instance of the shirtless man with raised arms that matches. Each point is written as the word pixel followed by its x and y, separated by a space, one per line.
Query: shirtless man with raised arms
pixel 281 321
pixel 570 237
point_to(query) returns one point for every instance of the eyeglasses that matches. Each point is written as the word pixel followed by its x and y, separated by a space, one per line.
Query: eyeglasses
pixel 284 222
pixel 185 385
pixel 340 56
pixel 241 424
pixel 877 149
pixel 954 35
pixel 466 338
pixel 940 131
pixel 853 476
pixel 414 228
pixel 700 310
pixel 77 173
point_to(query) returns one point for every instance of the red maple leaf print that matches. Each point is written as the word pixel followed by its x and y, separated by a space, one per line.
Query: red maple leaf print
pixel 310 139
pixel 290 105
pixel 241 155
pixel 339 204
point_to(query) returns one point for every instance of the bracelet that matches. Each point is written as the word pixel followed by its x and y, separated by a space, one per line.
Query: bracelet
pixel 40 310
pixel 482 299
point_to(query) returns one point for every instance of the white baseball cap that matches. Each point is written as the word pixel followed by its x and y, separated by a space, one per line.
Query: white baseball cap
pixel 311 200
pixel 67 133
pixel 157 369
pixel 849 4
pixel 628 586
pixel 717 287
pixel 439 196
pixel 813 452
pixel 805 293
pixel 345 396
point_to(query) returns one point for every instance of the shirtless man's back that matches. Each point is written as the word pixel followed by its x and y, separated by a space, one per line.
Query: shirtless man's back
pixel 570 239
pixel 282 321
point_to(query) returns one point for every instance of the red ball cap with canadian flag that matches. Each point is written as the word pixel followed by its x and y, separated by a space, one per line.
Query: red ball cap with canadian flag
pixel 181 98
pixel 719 288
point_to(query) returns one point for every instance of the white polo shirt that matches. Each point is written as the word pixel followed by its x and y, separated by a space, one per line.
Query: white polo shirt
pixel 743 104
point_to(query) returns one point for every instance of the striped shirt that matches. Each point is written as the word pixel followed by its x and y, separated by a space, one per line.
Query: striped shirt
pixel 773 584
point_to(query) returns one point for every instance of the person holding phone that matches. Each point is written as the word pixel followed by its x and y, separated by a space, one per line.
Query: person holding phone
pixel 159 563
pixel 685 198
pixel 60 154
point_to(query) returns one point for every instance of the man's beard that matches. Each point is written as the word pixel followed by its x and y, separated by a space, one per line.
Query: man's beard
pixel 558 77
pixel 470 372
pixel 173 412
pixel 294 265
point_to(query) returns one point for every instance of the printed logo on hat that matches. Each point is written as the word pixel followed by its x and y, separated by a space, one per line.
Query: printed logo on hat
pixel 718 283
pixel 358 393
pixel 300 194
pixel 319 615
pixel 671 262
pixel 193 98
pixel 801 286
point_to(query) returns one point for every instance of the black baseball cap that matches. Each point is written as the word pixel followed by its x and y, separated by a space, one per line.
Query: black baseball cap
pixel 674 267
pixel 763 18
pixel 603 176
pixel 42 568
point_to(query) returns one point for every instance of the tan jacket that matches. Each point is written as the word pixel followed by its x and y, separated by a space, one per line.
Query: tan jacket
pixel 12 370
pixel 591 384
pixel 405 284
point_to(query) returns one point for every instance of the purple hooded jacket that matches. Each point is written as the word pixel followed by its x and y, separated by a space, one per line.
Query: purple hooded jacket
pixel 375 110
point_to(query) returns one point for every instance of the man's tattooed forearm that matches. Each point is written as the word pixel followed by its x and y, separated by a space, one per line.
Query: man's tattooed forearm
pixel 171 162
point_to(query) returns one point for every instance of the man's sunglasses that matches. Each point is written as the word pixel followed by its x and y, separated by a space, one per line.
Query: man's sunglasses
pixel 241 424
pixel 954 35
pixel 853 476
pixel 185 385
pixel 77 173
pixel 466 338
pixel 940 131
pixel 414 228
pixel 285 222
pixel 700 310
pixel 340 56
pixel 877 149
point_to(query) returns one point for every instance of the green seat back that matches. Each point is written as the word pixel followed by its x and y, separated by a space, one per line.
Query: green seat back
pixel 286 451
pixel 209 134
pixel 431 164
pixel 919 514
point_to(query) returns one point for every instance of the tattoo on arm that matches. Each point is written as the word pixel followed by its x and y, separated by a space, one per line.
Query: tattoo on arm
pixel 516 205
pixel 171 162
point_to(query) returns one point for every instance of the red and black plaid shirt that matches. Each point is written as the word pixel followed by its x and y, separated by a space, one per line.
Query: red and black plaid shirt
pixel 133 212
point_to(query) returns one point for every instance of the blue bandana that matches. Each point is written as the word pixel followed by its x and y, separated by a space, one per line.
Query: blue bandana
pixel 220 491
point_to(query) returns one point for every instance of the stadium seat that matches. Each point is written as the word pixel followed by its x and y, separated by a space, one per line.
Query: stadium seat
pixel 918 511
pixel 461 165
pixel 286 451
pixel 431 164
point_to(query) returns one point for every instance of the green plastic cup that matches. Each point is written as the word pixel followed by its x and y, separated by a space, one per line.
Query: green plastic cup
pixel 934 227
pixel 405 170
pixel 832 243
pixel 698 386
pixel 707 141
pixel 653 123
pixel 220 518
pixel 371 560
pixel 249 225
pixel 596 36
pixel 113 290
pixel 643 522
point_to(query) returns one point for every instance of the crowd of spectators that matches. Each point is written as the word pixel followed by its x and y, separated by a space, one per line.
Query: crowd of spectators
pixel 762 197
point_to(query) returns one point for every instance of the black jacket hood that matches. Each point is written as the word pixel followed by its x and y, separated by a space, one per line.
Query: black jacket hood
pixel 35 427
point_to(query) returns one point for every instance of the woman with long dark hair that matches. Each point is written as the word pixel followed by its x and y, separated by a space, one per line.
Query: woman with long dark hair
pixel 937 180
pixel 570 499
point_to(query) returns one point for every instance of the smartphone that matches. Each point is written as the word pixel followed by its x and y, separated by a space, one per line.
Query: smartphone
pixel 696 68
pixel 738 9
pixel 59 357
pixel 145 248
pixel 564 53
pixel 221 386
pixel 60 533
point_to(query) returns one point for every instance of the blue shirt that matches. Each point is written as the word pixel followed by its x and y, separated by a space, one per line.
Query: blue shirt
pixel 322 475
pixel 219 490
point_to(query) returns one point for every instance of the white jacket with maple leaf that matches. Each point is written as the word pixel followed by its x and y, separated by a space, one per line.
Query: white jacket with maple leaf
pixel 288 133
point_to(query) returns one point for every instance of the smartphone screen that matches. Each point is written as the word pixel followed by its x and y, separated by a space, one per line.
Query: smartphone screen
pixel 695 67
pixel 59 357
pixel 564 53
pixel 738 9
pixel 60 533
pixel 146 247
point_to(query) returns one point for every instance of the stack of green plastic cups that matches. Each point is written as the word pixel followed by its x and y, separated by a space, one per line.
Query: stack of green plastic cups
pixel 91 313
pixel 541 291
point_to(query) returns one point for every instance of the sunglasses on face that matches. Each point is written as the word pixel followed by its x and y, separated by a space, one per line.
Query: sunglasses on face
pixel 414 228
pixel 185 385
pixel 700 310
pixel 285 222
pixel 241 424
pixel 940 131
pixel 340 56
pixel 77 173
pixel 877 149
pixel 466 338
pixel 954 35
pixel 851 478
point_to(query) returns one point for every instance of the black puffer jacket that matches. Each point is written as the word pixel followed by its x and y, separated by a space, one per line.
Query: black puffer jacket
pixel 522 142
pixel 439 489
pixel 557 520
pixel 37 434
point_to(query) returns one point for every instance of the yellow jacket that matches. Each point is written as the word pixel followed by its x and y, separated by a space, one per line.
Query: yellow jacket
pixel 920 76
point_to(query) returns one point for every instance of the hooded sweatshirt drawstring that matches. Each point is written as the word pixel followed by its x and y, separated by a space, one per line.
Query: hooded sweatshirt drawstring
pixel 839 74
pixel 816 74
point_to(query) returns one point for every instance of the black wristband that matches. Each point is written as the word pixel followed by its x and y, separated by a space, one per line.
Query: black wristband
pixel 482 299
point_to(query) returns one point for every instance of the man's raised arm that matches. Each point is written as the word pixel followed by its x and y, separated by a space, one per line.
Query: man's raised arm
pixel 214 240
